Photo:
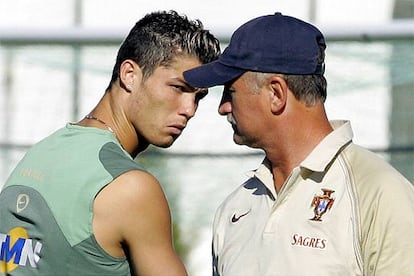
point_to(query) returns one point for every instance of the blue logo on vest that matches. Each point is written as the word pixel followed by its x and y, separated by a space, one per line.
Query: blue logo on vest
pixel 16 249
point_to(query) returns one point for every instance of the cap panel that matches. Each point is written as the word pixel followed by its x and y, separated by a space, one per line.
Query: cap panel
pixel 270 44
pixel 211 74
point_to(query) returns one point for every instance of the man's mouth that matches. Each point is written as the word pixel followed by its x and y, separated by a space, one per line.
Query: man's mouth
pixel 177 129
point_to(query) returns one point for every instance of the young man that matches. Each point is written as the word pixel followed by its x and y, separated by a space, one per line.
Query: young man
pixel 318 204
pixel 78 204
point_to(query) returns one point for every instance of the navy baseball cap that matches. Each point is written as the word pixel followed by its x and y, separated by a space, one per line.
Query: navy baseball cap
pixel 271 44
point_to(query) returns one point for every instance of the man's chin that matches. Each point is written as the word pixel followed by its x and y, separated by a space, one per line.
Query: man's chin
pixel 166 143
pixel 237 140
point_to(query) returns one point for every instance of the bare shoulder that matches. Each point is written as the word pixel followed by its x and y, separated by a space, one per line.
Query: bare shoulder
pixel 130 191
pixel 132 205
pixel 134 185
pixel 132 213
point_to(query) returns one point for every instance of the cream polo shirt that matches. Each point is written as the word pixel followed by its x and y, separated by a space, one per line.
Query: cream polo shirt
pixel 343 211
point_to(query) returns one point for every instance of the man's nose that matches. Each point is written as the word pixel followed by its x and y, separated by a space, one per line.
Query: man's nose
pixel 189 106
pixel 224 107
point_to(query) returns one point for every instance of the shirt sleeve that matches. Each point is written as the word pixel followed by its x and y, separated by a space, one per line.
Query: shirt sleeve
pixel 387 217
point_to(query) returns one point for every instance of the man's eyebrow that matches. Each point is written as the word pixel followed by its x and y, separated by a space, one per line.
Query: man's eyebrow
pixel 191 88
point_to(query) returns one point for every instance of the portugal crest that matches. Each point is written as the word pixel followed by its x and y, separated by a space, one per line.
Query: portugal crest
pixel 321 204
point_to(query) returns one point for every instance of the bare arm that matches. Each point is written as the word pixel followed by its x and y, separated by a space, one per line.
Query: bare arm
pixel 132 211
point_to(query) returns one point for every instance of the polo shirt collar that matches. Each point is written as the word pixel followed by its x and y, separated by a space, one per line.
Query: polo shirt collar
pixel 328 148
pixel 318 159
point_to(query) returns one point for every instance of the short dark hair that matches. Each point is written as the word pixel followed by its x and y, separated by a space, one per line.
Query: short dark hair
pixel 159 37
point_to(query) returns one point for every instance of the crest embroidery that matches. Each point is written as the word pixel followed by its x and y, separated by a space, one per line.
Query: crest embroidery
pixel 321 204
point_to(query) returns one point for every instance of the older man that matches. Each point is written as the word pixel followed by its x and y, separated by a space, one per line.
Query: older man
pixel 318 204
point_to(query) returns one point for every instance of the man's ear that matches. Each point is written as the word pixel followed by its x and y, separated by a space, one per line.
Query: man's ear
pixel 129 74
pixel 278 93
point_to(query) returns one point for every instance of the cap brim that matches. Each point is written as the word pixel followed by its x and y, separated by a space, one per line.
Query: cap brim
pixel 211 74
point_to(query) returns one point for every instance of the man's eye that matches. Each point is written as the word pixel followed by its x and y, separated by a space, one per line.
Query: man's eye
pixel 179 87
pixel 201 95
pixel 227 93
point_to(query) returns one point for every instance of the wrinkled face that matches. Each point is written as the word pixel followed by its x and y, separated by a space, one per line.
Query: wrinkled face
pixel 244 108
pixel 164 103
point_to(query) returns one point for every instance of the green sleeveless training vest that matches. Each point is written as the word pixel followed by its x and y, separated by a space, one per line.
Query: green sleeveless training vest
pixel 46 205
